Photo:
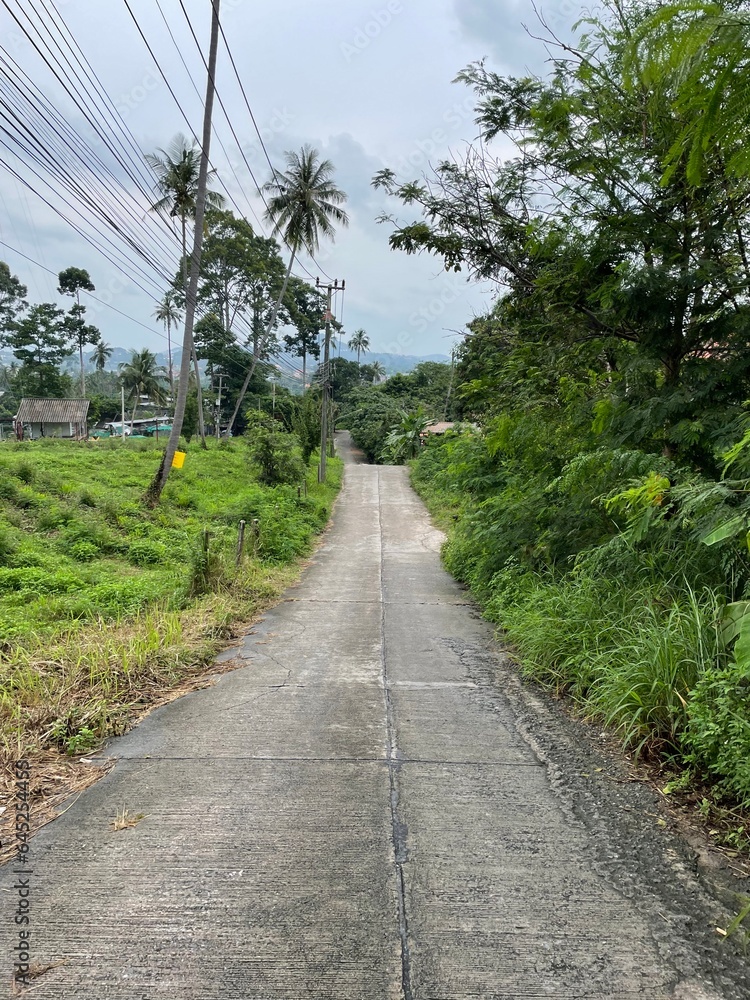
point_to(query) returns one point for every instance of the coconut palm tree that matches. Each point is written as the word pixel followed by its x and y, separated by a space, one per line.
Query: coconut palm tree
pixel 378 371
pixel 142 376
pixel 360 343
pixel 168 313
pixel 303 205
pixel 177 170
pixel 101 355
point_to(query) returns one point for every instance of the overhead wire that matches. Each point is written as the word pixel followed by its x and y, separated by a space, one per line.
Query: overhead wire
pixel 260 137
pixel 231 126
pixel 56 131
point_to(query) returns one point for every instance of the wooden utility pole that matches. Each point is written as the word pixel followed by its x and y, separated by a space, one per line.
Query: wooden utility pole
pixel 218 410
pixel 335 287
pixel 160 479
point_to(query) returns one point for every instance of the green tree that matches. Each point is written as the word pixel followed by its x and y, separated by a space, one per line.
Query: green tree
pixel 303 204
pixel 100 357
pixel 696 52
pixel 41 341
pixel 142 376
pixel 359 342
pixel 177 170
pixel 378 371
pixel 12 298
pixel 306 307
pixel 70 282
pixel 646 270
pixel 168 313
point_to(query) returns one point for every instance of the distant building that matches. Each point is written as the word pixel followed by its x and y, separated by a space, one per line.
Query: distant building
pixel 439 427
pixel 52 418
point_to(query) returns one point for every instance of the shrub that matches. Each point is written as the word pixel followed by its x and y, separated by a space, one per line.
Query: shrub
pixel 25 472
pixel 7 547
pixel 83 551
pixel 144 553
pixel 275 455
pixel 718 732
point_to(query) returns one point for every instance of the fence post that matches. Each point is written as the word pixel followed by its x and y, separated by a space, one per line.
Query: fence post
pixel 240 543
pixel 256 536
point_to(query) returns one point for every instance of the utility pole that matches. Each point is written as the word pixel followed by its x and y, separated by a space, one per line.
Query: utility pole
pixel 272 380
pixel 450 383
pixel 335 287
pixel 218 410
pixel 122 400
pixel 160 479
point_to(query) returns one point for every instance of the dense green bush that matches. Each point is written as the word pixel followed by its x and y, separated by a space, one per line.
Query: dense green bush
pixel 596 567
pixel 718 733
pixel 275 455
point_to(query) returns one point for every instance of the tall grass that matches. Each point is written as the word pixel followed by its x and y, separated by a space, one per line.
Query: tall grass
pixel 630 656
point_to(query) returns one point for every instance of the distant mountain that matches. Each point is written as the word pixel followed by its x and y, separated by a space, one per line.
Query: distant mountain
pixel 392 363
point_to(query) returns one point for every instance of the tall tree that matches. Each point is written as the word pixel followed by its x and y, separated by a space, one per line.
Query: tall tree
pixel 306 307
pixel 177 170
pixel 697 53
pixel 100 357
pixel 142 376
pixel 651 271
pixel 12 297
pixel 241 274
pixel 70 282
pixel 41 340
pixel 168 313
pixel 303 205
pixel 359 342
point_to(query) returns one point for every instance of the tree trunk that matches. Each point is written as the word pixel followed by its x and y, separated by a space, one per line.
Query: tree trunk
pixel 159 481
pixel 271 322
pixel 83 376
pixel 198 388
pixel 304 369
pixel 169 354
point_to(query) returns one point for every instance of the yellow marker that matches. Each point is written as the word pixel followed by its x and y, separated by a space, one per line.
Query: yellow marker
pixel 179 460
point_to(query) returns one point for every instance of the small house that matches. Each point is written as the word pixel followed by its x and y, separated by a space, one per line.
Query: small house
pixel 52 418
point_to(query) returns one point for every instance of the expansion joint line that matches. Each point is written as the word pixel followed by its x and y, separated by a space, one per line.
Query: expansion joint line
pixel 398 829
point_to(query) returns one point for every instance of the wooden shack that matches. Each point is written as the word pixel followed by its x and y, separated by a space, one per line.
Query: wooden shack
pixel 52 418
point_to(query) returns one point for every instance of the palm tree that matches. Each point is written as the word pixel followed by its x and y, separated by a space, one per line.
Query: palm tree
pixel 141 376
pixel 378 371
pixel 303 203
pixel 177 170
pixel 101 355
pixel 360 343
pixel 168 313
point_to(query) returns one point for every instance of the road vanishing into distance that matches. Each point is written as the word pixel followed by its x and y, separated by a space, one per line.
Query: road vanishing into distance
pixel 371 806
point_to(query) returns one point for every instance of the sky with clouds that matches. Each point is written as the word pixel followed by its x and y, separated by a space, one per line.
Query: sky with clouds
pixel 366 82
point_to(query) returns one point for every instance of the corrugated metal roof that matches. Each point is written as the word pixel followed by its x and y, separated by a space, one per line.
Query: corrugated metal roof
pixel 34 410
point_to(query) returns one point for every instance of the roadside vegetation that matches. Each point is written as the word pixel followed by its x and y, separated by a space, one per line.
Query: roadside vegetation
pixel 105 604
pixel 600 511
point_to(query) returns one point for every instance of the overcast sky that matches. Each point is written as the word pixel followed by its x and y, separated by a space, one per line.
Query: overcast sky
pixel 366 83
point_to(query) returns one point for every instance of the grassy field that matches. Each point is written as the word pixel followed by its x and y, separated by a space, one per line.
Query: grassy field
pixel 107 606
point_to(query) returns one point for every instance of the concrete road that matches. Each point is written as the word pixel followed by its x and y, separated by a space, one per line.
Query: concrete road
pixel 370 808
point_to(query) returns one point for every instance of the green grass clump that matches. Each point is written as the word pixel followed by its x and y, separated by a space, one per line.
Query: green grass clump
pixel 630 657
